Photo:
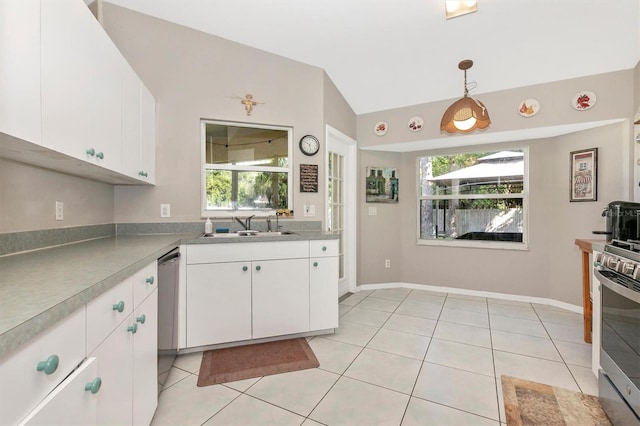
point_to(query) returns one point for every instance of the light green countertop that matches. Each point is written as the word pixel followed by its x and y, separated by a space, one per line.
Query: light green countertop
pixel 39 288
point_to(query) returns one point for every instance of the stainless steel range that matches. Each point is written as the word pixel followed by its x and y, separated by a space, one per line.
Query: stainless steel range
pixel 618 271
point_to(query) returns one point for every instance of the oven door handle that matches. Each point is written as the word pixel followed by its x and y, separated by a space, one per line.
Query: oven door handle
pixel 617 288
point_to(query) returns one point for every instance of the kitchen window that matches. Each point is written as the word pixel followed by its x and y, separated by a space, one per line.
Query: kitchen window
pixel 475 199
pixel 245 167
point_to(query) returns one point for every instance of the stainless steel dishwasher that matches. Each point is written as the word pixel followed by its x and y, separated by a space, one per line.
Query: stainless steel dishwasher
pixel 168 278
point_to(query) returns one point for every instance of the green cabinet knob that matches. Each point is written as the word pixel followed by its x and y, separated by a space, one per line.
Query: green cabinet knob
pixel 141 319
pixel 100 155
pixel 315 263
pixel 150 280
pixel 133 328
pixel 49 366
pixel 596 264
pixel 324 248
pixel 244 268
pixel 94 385
pixel 143 173
pixel 91 152
pixel 119 306
pixel 258 268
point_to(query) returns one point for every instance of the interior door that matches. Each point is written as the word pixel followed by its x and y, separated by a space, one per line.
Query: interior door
pixel 341 203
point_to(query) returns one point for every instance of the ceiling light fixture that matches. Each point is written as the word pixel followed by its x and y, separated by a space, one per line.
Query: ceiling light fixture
pixel 466 114
pixel 455 8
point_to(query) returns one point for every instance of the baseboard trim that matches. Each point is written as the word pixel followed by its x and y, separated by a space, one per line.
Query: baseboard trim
pixel 503 296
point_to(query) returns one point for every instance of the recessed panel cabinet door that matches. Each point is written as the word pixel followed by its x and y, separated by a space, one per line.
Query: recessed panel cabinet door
pixel 218 303
pixel 280 297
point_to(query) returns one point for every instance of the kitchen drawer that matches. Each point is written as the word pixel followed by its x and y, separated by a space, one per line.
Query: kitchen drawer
pixel 144 282
pixel 21 382
pixel 104 314
pixel 237 252
pixel 323 248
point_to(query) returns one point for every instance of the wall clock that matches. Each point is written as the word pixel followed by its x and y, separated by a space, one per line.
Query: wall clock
pixel 309 145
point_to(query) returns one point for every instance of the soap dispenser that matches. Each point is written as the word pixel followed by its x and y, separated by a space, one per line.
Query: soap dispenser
pixel 208 226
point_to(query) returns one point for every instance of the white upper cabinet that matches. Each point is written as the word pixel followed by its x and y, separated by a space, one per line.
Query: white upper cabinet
pixel 68 39
pixel 66 87
pixel 20 69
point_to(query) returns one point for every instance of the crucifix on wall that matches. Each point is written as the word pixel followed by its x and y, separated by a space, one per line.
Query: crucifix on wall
pixel 248 102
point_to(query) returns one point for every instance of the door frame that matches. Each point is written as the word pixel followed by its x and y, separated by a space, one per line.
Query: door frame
pixel 336 138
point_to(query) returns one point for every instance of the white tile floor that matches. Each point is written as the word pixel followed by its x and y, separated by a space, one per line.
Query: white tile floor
pixel 399 357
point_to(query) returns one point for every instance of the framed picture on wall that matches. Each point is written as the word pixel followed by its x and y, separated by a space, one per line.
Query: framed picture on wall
pixel 382 185
pixel 583 178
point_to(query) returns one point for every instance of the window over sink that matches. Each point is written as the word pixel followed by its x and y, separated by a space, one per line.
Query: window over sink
pixel 245 167
pixel 473 199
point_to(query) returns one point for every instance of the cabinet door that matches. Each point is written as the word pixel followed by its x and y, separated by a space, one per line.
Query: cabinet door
pixel 131 149
pixel 115 367
pixel 64 343
pixel 280 297
pixel 106 99
pixel 67 47
pixel 70 403
pixel 218 303
pixel 145 360
pixel 148 135
pixel 323 293
pixel 20 70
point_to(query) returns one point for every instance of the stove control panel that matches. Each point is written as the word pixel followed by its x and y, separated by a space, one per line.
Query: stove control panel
pixel 619 264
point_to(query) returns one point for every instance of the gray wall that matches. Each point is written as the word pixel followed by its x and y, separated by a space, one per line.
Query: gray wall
pixel 28 195
pixel 194 75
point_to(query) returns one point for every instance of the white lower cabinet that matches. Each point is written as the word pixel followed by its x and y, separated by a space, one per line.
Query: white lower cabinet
pixel 218 303
pixel 145 361
pixel 243 291
pixel 73 402
pixel 280 297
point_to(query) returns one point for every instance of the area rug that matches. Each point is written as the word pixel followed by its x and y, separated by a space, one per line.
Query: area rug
pixel 249 361
pixel 531 403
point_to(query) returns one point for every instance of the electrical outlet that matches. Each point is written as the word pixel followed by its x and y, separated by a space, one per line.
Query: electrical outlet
pixel 387 263
pixel 373 211
pixel 165 210
pixel 59 210
pixel 309 210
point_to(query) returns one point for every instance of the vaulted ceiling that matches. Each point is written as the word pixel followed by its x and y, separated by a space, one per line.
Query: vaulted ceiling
pixel 384 54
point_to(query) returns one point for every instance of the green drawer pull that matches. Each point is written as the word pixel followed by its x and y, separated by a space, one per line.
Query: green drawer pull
pixel 91 152
pixel 119 306
pixel 315 263
pixel 258 268
pixel 141 319
pixel 150 280
pixel 94 385
pixel 100 155
pixel 324 248
pixel 244 268
pixel 49 366
pixel 133 328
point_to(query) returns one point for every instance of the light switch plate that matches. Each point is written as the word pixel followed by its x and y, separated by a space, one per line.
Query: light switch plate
pixel 373 211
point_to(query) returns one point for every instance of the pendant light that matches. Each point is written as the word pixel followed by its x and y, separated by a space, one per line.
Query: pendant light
pixel 466 114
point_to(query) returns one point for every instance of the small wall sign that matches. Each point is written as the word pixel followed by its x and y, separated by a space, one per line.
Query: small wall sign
pixel 583 179
pixel 308 178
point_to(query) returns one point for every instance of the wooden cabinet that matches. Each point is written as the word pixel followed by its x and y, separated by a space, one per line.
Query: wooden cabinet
pixel 36 368
pixel 243 291
pixel 20 71
pixel 219 303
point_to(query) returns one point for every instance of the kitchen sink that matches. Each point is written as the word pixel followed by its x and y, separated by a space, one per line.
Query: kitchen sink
pixel 246 234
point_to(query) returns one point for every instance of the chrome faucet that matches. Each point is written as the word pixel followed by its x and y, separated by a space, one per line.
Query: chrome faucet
pixel 247 222
pixel 269 229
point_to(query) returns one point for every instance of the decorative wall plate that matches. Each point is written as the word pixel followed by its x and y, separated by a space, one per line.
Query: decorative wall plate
pixel 381 128
pixel 415 123
pixel 583 100
pixel 529 107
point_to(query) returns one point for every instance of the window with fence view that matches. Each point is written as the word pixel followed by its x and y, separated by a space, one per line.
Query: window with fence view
pixel 473 196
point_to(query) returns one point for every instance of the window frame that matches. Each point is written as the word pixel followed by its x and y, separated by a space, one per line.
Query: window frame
pixel 483 244
pixel 204 166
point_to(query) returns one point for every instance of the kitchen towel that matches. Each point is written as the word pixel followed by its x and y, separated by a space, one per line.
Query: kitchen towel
pixel 257 360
